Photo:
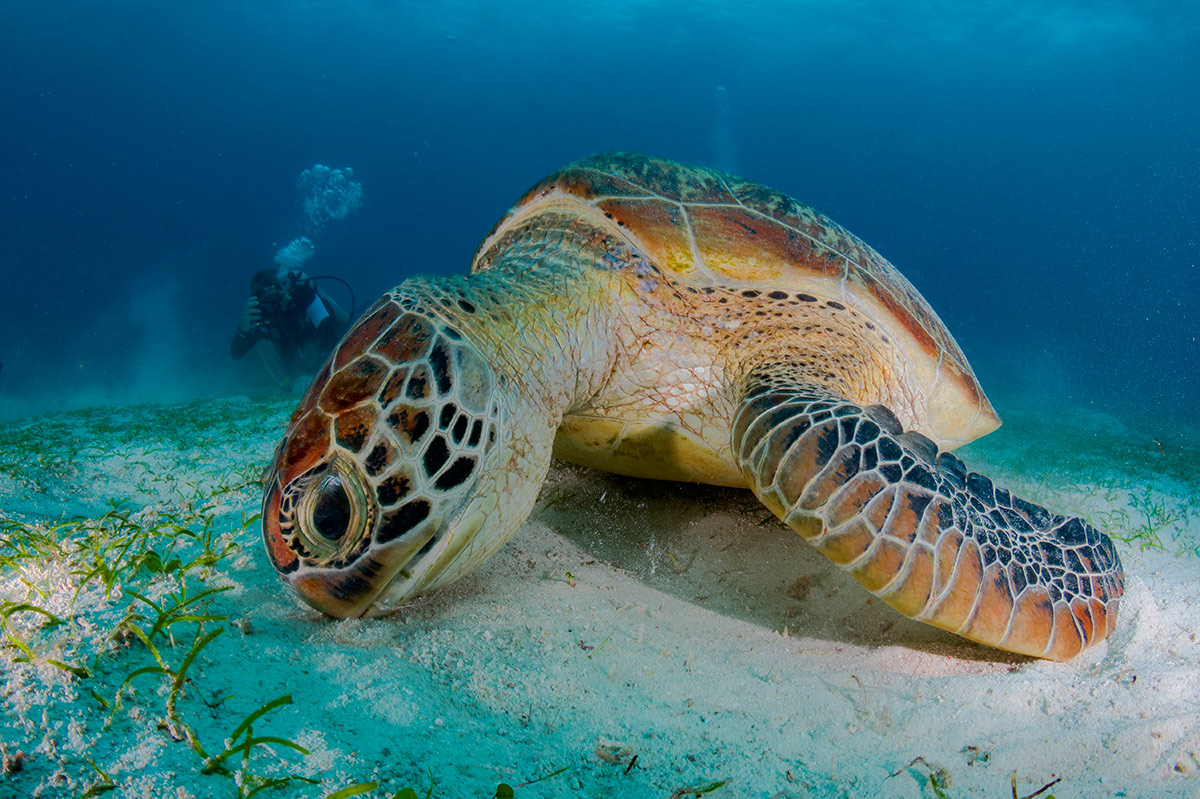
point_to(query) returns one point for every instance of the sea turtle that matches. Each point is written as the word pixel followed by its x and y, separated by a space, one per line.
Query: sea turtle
pixel 669 321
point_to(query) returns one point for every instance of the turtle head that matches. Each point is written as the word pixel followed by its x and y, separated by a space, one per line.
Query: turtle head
pixel 390 480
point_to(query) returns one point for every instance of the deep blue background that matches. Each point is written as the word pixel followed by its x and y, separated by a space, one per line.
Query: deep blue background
pixel 1032 167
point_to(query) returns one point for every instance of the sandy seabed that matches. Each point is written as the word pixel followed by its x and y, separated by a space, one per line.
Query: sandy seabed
pixel 634 639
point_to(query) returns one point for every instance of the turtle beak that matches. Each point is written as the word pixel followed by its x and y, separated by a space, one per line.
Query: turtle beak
pixel 335 589
pixel 325 590
pixel 380 579
pixel 317 528
pixel 327 534
pixel 343 594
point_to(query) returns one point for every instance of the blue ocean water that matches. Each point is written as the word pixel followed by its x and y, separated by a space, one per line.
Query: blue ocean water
pixel 1033 167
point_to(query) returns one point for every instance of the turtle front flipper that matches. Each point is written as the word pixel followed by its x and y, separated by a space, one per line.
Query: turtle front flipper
pixel 936 542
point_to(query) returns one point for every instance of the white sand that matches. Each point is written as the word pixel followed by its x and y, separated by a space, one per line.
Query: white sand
pixel 678 624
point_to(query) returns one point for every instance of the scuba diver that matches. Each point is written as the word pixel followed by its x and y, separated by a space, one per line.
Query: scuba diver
pixel 300 319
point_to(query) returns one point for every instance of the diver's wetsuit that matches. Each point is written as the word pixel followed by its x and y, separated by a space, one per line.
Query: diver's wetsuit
pixel 304 331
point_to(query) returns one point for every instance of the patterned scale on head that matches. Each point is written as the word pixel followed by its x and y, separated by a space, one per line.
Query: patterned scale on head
pixel 669 321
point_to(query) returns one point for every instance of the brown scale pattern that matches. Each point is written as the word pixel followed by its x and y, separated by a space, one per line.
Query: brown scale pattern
pixel 940 544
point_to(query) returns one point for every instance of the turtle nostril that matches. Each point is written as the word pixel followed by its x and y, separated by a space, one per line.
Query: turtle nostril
pixel 331 511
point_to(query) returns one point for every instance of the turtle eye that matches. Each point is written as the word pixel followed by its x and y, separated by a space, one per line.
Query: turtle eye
pixel 333 512
pixel 331 509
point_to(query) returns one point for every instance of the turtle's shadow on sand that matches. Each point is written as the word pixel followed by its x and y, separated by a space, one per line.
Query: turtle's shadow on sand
pixel 721 549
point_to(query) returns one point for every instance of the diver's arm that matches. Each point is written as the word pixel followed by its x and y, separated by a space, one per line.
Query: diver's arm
pixel 248 332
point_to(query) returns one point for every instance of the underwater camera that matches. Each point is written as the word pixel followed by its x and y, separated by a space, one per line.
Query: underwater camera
pixel 273 296
pixel 270 304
